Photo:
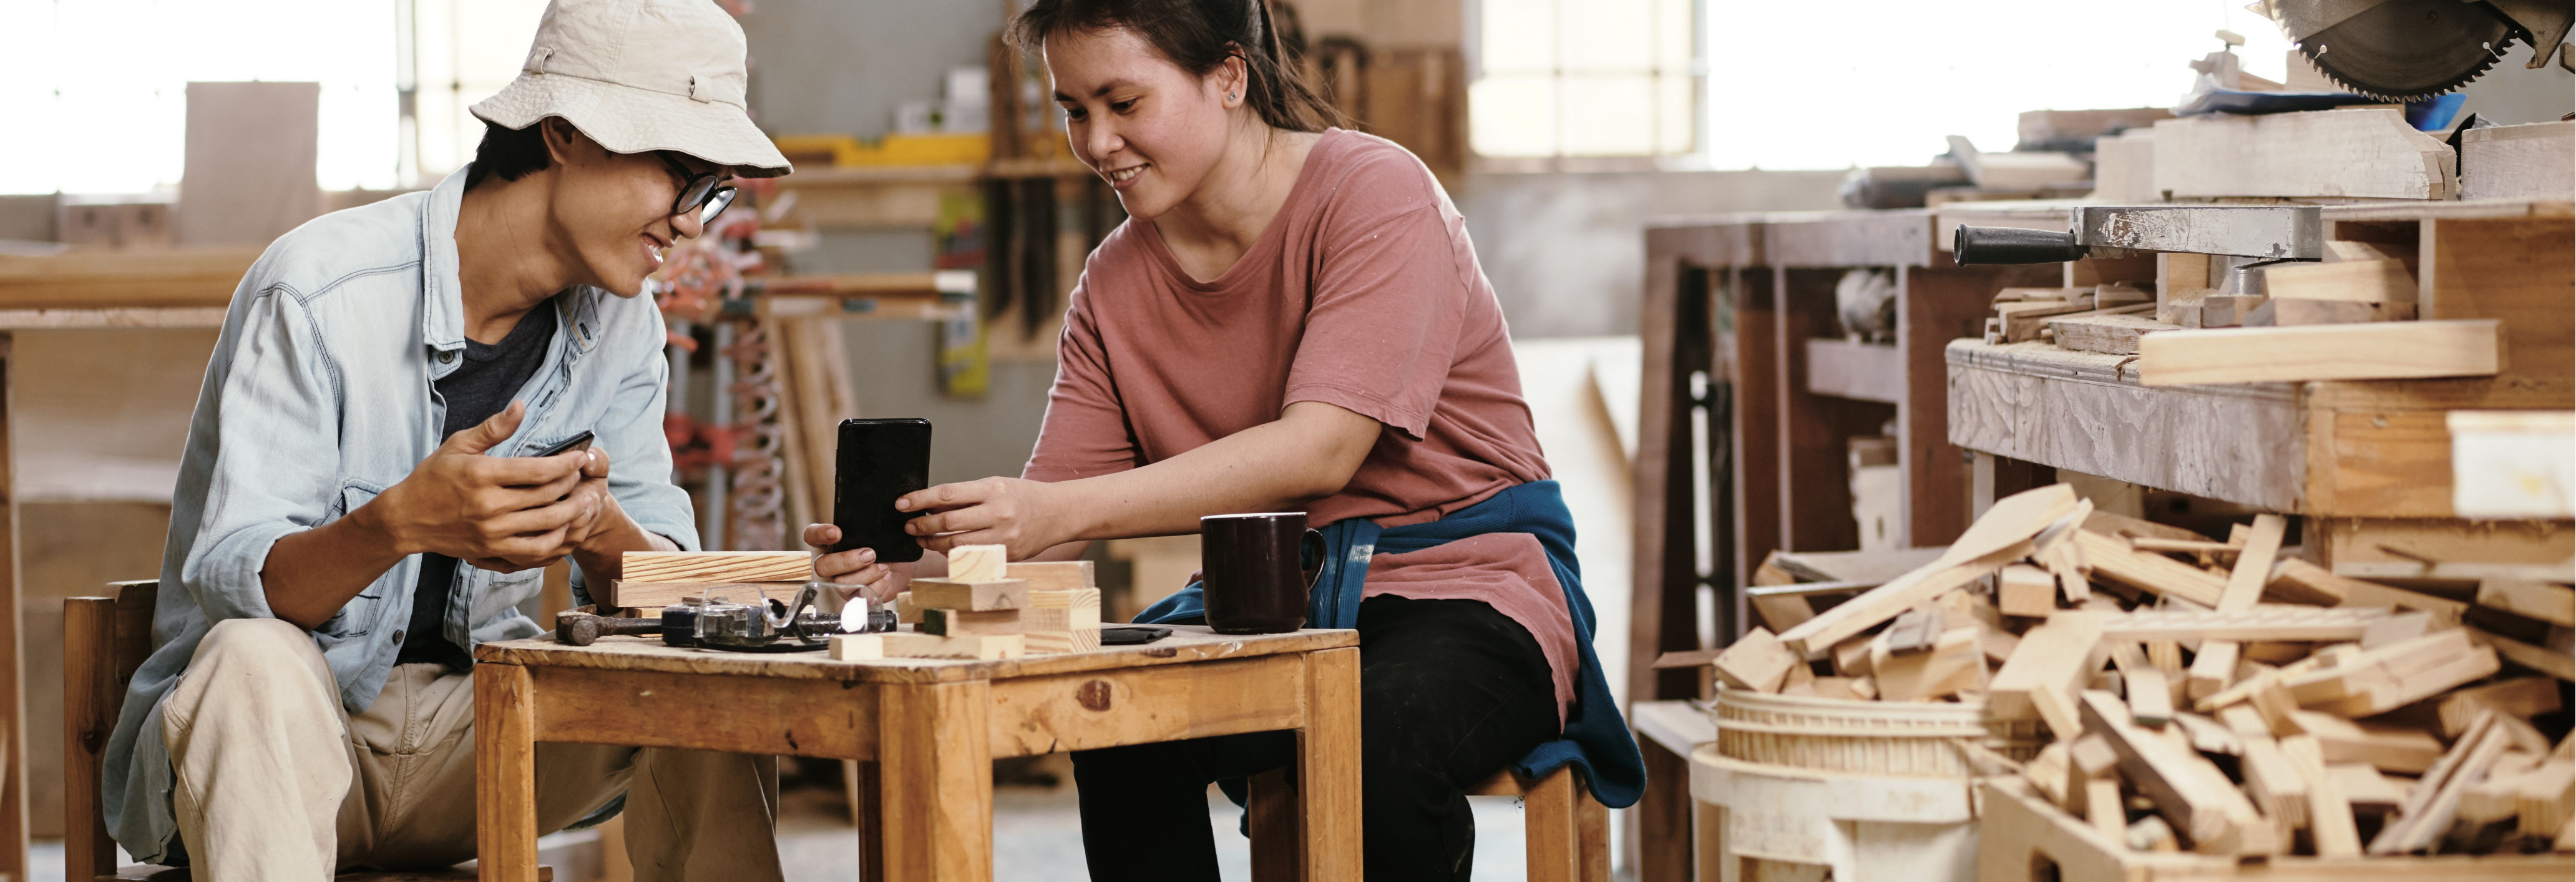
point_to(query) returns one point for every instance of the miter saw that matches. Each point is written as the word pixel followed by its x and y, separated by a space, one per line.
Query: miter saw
pixel 2408 50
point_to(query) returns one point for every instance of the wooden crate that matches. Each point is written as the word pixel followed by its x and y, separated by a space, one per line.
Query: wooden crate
pixel 2021 837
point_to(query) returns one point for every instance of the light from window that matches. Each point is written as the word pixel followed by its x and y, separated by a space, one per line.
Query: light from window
pixel 1584 78
pixel 95 91
pixel 1808 86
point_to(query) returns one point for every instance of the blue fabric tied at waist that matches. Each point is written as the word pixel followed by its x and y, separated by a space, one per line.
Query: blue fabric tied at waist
pixel 1596 739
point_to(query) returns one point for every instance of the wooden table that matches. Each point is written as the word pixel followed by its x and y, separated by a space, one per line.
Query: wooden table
pixel 929 730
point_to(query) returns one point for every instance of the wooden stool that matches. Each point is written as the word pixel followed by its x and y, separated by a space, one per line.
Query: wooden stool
pixel 104 641
pixel 1567 831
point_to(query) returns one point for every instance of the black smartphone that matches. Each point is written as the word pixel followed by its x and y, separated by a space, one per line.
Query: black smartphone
pixel 879 461
pixel 568 445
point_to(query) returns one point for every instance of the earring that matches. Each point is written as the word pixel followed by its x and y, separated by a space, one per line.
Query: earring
pixel 1229 96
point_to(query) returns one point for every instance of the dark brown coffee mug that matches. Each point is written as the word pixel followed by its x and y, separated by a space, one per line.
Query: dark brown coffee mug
pixel 1251 573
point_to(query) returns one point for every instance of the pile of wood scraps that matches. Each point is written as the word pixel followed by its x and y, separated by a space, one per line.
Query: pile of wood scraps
pixel 2023 315
pixel 2218 696
pixel 988 608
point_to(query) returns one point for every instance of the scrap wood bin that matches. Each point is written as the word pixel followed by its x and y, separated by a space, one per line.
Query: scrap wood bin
pixel 2025 839
pixel 1870 791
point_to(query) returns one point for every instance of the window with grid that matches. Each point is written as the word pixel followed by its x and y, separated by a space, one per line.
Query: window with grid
pixel 1585 78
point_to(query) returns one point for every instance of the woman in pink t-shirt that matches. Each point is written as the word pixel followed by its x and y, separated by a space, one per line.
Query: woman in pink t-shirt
pixel 1293 318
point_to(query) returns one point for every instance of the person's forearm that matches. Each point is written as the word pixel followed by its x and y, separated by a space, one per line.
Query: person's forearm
pixel 309 575
pixel 1270 467
pixel 601 557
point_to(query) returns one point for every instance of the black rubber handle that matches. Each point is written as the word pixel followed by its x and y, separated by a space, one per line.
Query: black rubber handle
pixel 1993 245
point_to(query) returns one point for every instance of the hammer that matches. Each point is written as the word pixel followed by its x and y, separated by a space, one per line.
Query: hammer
pixel 583 629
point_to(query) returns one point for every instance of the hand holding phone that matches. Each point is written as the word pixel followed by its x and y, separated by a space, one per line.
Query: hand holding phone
pixel 877 462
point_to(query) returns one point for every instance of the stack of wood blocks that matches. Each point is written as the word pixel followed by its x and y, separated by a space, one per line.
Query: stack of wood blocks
pixel 2225 697
pixel 652 580
pixel 988 608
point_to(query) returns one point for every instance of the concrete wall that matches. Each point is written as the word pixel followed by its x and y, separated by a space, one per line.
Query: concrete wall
pixel 2509 94
pixel 841 66
pixel 1566 251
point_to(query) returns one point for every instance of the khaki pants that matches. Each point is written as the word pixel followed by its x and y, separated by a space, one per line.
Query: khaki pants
pixel 277 782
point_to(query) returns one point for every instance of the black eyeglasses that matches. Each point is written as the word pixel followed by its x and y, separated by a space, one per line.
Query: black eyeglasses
pixel 701 192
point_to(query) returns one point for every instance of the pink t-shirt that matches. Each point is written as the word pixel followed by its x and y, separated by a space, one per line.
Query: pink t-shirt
pixel 1363 293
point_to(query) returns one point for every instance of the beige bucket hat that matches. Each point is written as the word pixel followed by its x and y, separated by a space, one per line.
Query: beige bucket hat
pixel 641 75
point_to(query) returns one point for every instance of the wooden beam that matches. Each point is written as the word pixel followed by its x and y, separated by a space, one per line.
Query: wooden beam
pixel 2371 351
pixel 2057 657
pixel 717 566
pixel 2114 560
pixel 2265 622
pixel 2387 748
pixel 2555 604
pixel 2356 152
pixel 2186 788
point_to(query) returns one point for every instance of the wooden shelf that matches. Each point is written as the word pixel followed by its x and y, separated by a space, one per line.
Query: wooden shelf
pixel 112 279
pixel 2373 450
pixel 1858 371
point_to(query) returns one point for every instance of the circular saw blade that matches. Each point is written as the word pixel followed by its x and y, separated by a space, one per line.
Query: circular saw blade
pixel 2405 50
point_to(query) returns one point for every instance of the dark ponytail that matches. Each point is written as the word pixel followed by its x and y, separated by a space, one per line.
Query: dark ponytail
pixel 1198 35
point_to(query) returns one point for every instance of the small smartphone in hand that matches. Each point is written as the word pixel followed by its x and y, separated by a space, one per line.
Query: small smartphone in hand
pixel 877 462
pixel 568 445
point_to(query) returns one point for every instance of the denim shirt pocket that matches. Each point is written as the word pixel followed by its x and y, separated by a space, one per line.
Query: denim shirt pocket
pixel 356 617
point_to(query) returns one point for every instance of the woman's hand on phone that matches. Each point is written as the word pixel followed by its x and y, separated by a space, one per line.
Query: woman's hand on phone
pixel 1010 512
pixel 855 571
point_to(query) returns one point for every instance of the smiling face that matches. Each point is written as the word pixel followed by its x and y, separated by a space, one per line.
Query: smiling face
pixel 614 209
pixel 1150 128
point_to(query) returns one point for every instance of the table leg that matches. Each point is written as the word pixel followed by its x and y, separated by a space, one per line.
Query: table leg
pixel 934 756
pixel 505 774
pixel 1275 835
pixel 1328 766
pixel 867 812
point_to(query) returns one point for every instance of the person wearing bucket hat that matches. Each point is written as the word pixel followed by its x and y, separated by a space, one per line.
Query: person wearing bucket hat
pixel 360 503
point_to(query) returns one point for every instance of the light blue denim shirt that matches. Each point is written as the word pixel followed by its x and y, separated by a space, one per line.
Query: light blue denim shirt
pixel 318 398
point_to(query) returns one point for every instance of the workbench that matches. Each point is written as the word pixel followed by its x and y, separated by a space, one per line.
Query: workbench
pixel 928 731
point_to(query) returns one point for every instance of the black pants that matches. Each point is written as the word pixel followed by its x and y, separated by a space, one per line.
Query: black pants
pixel 1450 693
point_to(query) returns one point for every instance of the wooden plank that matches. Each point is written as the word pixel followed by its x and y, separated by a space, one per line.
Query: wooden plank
pixel 2358 152
pixel 2330 823
pixel 1186 644
pixel 2025 590
pixel 2555 604
pixel 2113 333
pixel 2056 657
pixel 505 773
pixel 2083 412
pixel 2431 803
pixel 817 718
pixel 2526 161
pixel 91 698
pixel 1549 833
pixel 651 597
pixel 1328 765
pixel 1861 371
pixel 2547 660
pixel 1052 575
pixel 2374 351
pixel 937 773
pixel 2387 748
pixel 977 563
pixel 2000 537
pixel 2520 697
pixel 913 644
pixel 950 594
pixel 2115 561
pixel 955 622
pixel 2265 622
pixel 1755 661
pixel 716 566
pixel 1954 664
pixel 1039 715
pixel 2355 281
pixel 2186 788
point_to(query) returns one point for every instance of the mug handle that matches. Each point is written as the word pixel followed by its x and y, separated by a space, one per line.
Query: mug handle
pixel 1311 548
